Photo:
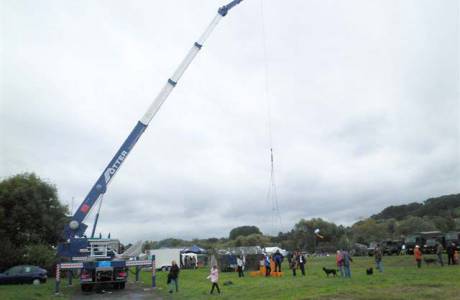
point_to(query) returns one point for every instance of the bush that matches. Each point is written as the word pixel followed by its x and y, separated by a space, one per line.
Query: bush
pixel 39 255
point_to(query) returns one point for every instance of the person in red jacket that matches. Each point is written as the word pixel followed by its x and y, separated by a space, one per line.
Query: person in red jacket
pixel 418 256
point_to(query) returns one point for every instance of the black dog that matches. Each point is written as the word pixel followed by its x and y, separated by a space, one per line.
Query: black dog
pixel 330 271
pixel 429 261
pixel 370 271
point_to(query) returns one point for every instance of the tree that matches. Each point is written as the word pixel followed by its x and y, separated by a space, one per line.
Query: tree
pixel 369 230
pixel 398 212
pixel 305 238
pixel 149 245
pixel 243 231
pixel 254 239
pixel 414 224
pixel 30 214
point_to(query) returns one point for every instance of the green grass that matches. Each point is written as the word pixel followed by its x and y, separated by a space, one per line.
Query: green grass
pixel 401 280
pixel 34 292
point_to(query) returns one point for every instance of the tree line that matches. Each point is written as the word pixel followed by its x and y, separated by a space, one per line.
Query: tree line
pixel 394 222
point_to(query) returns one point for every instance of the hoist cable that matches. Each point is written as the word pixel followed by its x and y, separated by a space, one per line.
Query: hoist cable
pixel 272 195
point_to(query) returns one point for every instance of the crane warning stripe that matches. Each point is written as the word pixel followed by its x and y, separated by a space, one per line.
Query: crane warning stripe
pixel 138 263
pixel 71 265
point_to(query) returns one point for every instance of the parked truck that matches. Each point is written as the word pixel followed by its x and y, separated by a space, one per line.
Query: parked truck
pixel 430 241
pixel 391 247
pixel 411 241
pixel 453 237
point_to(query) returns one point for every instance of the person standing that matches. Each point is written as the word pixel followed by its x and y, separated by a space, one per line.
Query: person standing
pixel 239 264
pixel 339 261
pixel 403 250
pixel 378 258
pixel 450 254
pixel 439 249
pixel 418 256
pixel 186 262
pixel 214 277
pixel 346 263
pixel 293 264
pixel 173 277
pixel 194 262
pixel 301 262
pixel 268 268
pixel 278 260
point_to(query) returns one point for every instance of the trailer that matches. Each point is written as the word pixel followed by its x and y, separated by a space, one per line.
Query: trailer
pixel 165 256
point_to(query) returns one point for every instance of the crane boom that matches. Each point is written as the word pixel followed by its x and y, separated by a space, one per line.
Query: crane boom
pixel 76 228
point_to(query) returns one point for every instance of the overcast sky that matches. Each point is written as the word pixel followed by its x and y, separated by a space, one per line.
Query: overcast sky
pixel 364 101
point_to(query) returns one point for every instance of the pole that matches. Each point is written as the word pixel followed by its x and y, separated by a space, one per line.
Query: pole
pixel 137 273
pixel 153 272
pixel 58 278
pixel 70 275
pixel 97 215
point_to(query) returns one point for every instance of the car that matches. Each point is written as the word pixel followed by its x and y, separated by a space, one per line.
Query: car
pixel 24 274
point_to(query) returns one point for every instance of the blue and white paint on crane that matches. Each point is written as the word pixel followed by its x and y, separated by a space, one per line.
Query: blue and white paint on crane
pixel 74 231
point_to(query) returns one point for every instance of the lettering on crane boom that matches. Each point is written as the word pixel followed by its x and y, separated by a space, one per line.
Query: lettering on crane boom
pixel 110 171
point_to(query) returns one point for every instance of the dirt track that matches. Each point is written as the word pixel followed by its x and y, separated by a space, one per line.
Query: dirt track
pixel 132 291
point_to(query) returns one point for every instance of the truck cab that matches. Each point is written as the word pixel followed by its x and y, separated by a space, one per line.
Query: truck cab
pixel 431 239
pixel 390 247
pixel 453 237
pixel 411 241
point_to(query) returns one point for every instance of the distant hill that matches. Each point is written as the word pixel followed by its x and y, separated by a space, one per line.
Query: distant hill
pixel 444 206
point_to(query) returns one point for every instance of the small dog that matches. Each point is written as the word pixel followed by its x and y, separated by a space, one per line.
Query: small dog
pixel 370 271
pixel 330 271
pixel 430 261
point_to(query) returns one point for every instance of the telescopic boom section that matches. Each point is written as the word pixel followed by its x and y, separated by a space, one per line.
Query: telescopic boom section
pixel 76 227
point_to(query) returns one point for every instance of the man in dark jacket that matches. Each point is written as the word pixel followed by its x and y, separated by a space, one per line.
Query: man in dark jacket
pixel 173 276
pixel 346 263
pixel 301 262
pixel 278 260
pixel 450 254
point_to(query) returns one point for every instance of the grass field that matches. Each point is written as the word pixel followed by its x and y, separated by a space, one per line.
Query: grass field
pixel 401 280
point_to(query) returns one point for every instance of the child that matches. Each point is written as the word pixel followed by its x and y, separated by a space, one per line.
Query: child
pixel 268 269
pixel 214 276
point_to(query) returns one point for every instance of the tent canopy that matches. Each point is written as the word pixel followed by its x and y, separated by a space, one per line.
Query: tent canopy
pixel 194 249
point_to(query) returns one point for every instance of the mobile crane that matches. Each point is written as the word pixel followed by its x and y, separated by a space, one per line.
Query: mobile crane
pixel 97 258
